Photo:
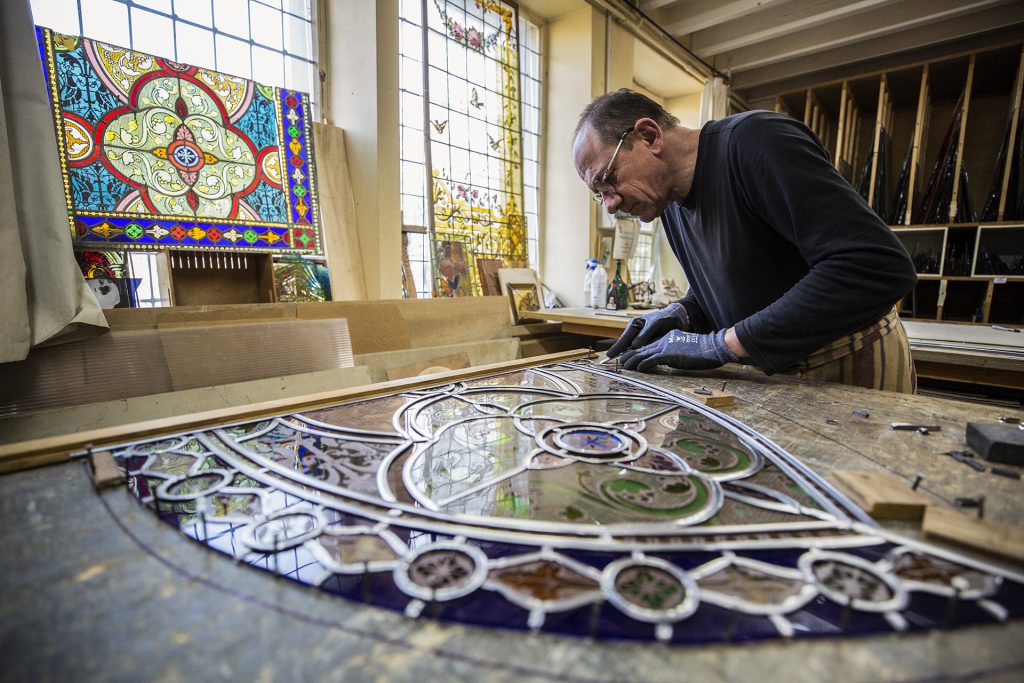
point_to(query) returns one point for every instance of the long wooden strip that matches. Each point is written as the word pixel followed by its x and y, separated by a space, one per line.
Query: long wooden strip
pixel 960 143
pixel 915 159
pixel 1014 115
pixel 57 449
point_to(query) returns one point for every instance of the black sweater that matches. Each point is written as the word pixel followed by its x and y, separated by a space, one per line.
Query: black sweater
pixel 774 241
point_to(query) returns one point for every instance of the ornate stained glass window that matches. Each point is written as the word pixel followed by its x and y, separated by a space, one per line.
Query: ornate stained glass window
pixel 463 120
pixel 158 154
pixel 564 498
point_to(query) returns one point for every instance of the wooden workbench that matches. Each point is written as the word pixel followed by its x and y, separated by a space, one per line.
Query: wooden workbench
pixel 960 353
pixel 77 558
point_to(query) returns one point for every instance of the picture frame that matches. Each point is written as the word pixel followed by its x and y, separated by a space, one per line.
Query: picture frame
pixel 525 301
pixel 488 268
pixel 453 274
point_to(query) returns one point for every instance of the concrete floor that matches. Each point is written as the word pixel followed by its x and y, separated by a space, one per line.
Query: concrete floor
pixel 86 597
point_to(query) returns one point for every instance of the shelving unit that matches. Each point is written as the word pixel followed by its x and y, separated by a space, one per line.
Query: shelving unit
pixel 954 120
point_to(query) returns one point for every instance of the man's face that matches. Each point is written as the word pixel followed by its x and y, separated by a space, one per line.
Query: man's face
pixel 627 184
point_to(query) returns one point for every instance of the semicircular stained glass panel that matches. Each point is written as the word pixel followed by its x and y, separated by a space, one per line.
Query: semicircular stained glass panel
pixel 563 498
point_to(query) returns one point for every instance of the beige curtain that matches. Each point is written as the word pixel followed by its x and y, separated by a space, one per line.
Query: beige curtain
pixel 43 296
pixel 714 100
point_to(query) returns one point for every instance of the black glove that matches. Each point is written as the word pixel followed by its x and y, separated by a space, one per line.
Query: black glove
pixel 648 327
pixel 683 350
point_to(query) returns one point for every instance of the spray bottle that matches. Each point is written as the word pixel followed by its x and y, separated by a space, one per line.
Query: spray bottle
pixel 599 285
pixel 588 283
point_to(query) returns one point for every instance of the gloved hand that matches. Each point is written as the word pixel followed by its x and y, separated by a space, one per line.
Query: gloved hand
pixel 648 327
pixel 683 350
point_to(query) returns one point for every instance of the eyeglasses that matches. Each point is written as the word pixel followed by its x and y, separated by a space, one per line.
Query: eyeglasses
pixel 603 180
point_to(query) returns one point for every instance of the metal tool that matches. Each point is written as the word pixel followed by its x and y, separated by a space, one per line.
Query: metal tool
pixel 912 427
pixel 975 502
pixel 1005 472
pixel 967 459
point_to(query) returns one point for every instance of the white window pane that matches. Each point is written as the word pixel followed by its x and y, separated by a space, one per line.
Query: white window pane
pixel 267 67
pixel 298 75
pixel 302 8
pixel 412 210
pixel 409 39
pixel 233 57
pixel 411 75
pixel 297 37
pixel 266 26
pixel 412 145
pixel 276 4
pixel 152 34
pixel 232 16
pixel 197 11
pixel 195 46
pixel 60 15
pixel 106 21
pixel 412 178
pixel 159 5
pixel 410 10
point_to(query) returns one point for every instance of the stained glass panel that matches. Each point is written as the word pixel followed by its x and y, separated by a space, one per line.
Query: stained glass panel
pixel 561 497
pixel 157 154
pixel 463 150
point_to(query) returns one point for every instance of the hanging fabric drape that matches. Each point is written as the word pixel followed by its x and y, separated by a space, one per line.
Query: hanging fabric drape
pixel 714 100
pixel 43 296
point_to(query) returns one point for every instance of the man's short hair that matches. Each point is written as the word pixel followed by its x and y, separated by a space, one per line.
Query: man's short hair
pixel 613 113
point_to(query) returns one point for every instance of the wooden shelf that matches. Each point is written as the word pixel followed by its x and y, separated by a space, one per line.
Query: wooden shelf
pixel 916 107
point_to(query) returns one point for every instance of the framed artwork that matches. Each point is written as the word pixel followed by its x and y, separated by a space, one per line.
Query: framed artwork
pixel 518 499
pixel 161 155
pixel 525 300
pixel 452 273
pixel 605 254
pixel 488 269
pixel 115 292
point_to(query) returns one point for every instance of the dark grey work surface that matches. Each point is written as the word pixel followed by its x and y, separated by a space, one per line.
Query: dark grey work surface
pixel 95 588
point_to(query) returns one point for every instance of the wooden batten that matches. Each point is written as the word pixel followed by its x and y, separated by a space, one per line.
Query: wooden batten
pixel 960 143
pixel 1015 102
pixel 840 132
pixel 917 151
pixel 879 121
pixel 986 306
pixel 808 107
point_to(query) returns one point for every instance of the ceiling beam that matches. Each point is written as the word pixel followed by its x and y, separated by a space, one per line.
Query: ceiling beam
pixel 990 20
pixel 901 17
pixel 649 6
pixel 981 41
pixel 790 17
pixel 683 18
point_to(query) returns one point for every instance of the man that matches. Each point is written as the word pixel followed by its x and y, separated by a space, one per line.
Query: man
pixel 789 269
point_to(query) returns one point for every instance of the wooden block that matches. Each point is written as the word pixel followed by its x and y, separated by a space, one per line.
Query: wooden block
pixel 453 362
pixel 714 399
pixel 105 473
pixel 1004 540
pixel 881 494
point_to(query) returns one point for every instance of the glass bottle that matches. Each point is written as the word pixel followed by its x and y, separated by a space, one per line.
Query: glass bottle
pixel 619 286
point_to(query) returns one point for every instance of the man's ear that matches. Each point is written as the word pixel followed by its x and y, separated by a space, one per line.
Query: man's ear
pixel 649 131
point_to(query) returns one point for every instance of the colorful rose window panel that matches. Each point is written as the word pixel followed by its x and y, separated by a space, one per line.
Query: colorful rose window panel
pixel 475 133
pixel 157 154
pixel 563 498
